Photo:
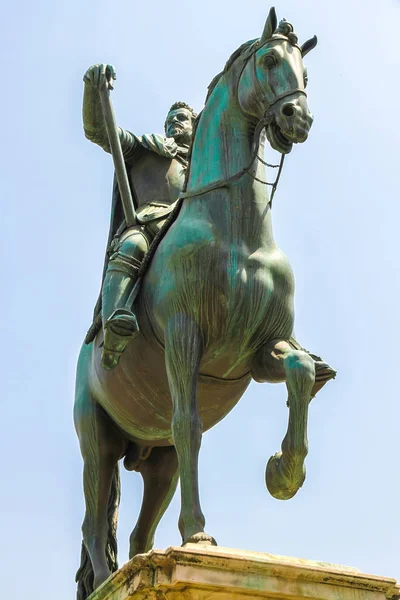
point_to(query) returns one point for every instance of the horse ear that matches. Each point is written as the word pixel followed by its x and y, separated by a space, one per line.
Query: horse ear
pixel 270 26
pixel 309 45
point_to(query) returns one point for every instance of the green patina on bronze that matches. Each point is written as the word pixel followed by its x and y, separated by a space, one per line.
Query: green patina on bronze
pixel 215 307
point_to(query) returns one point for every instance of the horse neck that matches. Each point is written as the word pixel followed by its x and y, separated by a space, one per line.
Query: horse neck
pixel 223 140
pixel 224 146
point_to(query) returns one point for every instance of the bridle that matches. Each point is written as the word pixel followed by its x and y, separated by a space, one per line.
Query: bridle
pixel 261 124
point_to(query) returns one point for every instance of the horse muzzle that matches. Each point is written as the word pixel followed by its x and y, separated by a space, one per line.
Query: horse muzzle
pixel 290 124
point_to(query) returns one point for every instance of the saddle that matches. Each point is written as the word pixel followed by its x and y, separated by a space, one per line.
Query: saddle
pixel 97 320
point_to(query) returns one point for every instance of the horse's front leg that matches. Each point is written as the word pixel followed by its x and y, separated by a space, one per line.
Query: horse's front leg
pixel 279 361
pixel 183 351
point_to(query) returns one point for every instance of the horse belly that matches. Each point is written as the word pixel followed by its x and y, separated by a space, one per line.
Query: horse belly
pixel 136 395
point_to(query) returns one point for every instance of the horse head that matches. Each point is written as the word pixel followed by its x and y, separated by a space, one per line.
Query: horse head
pixel 272 84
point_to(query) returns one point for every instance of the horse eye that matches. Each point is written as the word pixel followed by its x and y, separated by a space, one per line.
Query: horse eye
pixel 270 61
pixel 305 79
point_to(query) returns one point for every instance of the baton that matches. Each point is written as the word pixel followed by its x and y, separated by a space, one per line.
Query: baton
pixel 116 152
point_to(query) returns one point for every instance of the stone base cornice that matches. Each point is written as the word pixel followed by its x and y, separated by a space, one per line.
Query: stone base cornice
pixel 197 572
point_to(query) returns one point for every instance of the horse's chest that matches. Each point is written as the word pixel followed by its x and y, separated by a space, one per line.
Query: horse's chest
pixel 232 290
pixel 239 272
pixel 239 296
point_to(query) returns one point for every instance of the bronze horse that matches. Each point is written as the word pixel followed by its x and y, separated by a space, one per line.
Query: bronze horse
pixel 215 310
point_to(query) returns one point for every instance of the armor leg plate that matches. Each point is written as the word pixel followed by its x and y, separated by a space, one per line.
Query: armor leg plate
pixel 119 321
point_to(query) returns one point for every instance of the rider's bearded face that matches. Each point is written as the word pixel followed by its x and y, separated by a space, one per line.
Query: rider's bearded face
pixel 179 126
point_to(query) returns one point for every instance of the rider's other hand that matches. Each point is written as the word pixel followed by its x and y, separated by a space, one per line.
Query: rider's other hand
pixel 97 75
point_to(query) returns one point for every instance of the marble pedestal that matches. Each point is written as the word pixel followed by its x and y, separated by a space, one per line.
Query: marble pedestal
pixel 215 573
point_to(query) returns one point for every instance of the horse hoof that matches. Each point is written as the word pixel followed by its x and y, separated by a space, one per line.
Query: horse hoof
pixel 283 483
pixel 201 538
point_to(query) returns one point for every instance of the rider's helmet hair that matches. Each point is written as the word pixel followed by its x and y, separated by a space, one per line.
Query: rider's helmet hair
pixel 180 104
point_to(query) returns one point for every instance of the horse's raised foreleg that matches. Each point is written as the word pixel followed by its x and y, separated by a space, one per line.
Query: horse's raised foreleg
pixel 101 448
pixel 160 478
pixel 183 351
pixel 279 361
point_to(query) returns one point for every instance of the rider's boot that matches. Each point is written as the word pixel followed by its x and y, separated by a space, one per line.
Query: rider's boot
pixel 119 321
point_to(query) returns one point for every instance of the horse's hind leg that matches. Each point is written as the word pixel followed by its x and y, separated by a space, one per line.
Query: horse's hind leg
pixel 101 448
pixel 183 351
pixel 160 478
pixel 285 472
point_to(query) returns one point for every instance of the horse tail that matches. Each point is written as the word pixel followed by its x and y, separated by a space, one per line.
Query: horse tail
pixel 84 576
pixel 112 516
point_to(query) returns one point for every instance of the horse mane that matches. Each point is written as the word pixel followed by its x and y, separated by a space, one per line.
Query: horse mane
pixel 238 52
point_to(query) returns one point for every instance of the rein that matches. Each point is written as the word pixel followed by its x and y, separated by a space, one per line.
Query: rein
pixel 246 171
pixel 223 183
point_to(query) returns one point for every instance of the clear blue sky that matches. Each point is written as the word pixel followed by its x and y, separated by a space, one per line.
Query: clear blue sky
pixel 336 215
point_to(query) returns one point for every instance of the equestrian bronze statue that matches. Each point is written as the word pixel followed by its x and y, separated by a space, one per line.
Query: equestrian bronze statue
pixel 197 298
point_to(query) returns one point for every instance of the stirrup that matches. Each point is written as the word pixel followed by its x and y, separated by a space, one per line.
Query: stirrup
pixel 122 322
pixel 118 331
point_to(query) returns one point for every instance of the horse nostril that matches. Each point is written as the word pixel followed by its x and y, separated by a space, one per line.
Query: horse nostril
pixel 288 109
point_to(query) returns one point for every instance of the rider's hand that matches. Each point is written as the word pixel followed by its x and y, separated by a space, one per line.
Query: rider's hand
pixel 98 75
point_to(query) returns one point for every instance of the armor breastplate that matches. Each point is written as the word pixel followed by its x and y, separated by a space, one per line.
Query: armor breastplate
pixel 155 180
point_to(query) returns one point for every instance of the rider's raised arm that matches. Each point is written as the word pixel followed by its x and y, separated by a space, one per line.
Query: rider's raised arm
pixel 93 120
